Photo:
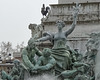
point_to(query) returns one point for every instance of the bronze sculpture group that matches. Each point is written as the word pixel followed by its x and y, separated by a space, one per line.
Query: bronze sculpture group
pixel 60 61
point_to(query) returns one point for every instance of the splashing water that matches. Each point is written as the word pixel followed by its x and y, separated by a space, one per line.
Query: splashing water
pixel 97 66
pixel 43 77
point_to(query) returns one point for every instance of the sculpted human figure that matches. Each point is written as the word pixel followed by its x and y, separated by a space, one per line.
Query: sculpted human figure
pixel 28 54
pixel 79 72
pixel 45 63
pixel 5 76
pixel 16 72
pixel 92 49
pixel 59 51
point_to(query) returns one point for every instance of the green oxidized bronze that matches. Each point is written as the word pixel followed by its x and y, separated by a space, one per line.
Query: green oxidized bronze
pixel 79 69
pixel 59 39
pixel 60 61
pixel 15 74
pixel 28 54
pixel 45 63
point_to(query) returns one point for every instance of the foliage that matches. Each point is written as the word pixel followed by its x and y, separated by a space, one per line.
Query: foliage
pixel 6 49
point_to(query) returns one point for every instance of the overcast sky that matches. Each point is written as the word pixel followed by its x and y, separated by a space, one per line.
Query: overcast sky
pixel 16 15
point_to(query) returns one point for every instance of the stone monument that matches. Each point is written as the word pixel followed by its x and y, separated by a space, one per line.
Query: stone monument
pixel 62 61
pixel 87 22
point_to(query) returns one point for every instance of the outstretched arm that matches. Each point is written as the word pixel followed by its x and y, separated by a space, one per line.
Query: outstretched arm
pixel 75 13
pixel 38 52
pixel 26 60
pixel 43 38
pixel 48 66
pixel 72 26
pixel 46 36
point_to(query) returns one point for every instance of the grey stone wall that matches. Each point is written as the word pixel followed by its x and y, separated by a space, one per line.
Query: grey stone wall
pixel 88 12
pixel 78 1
